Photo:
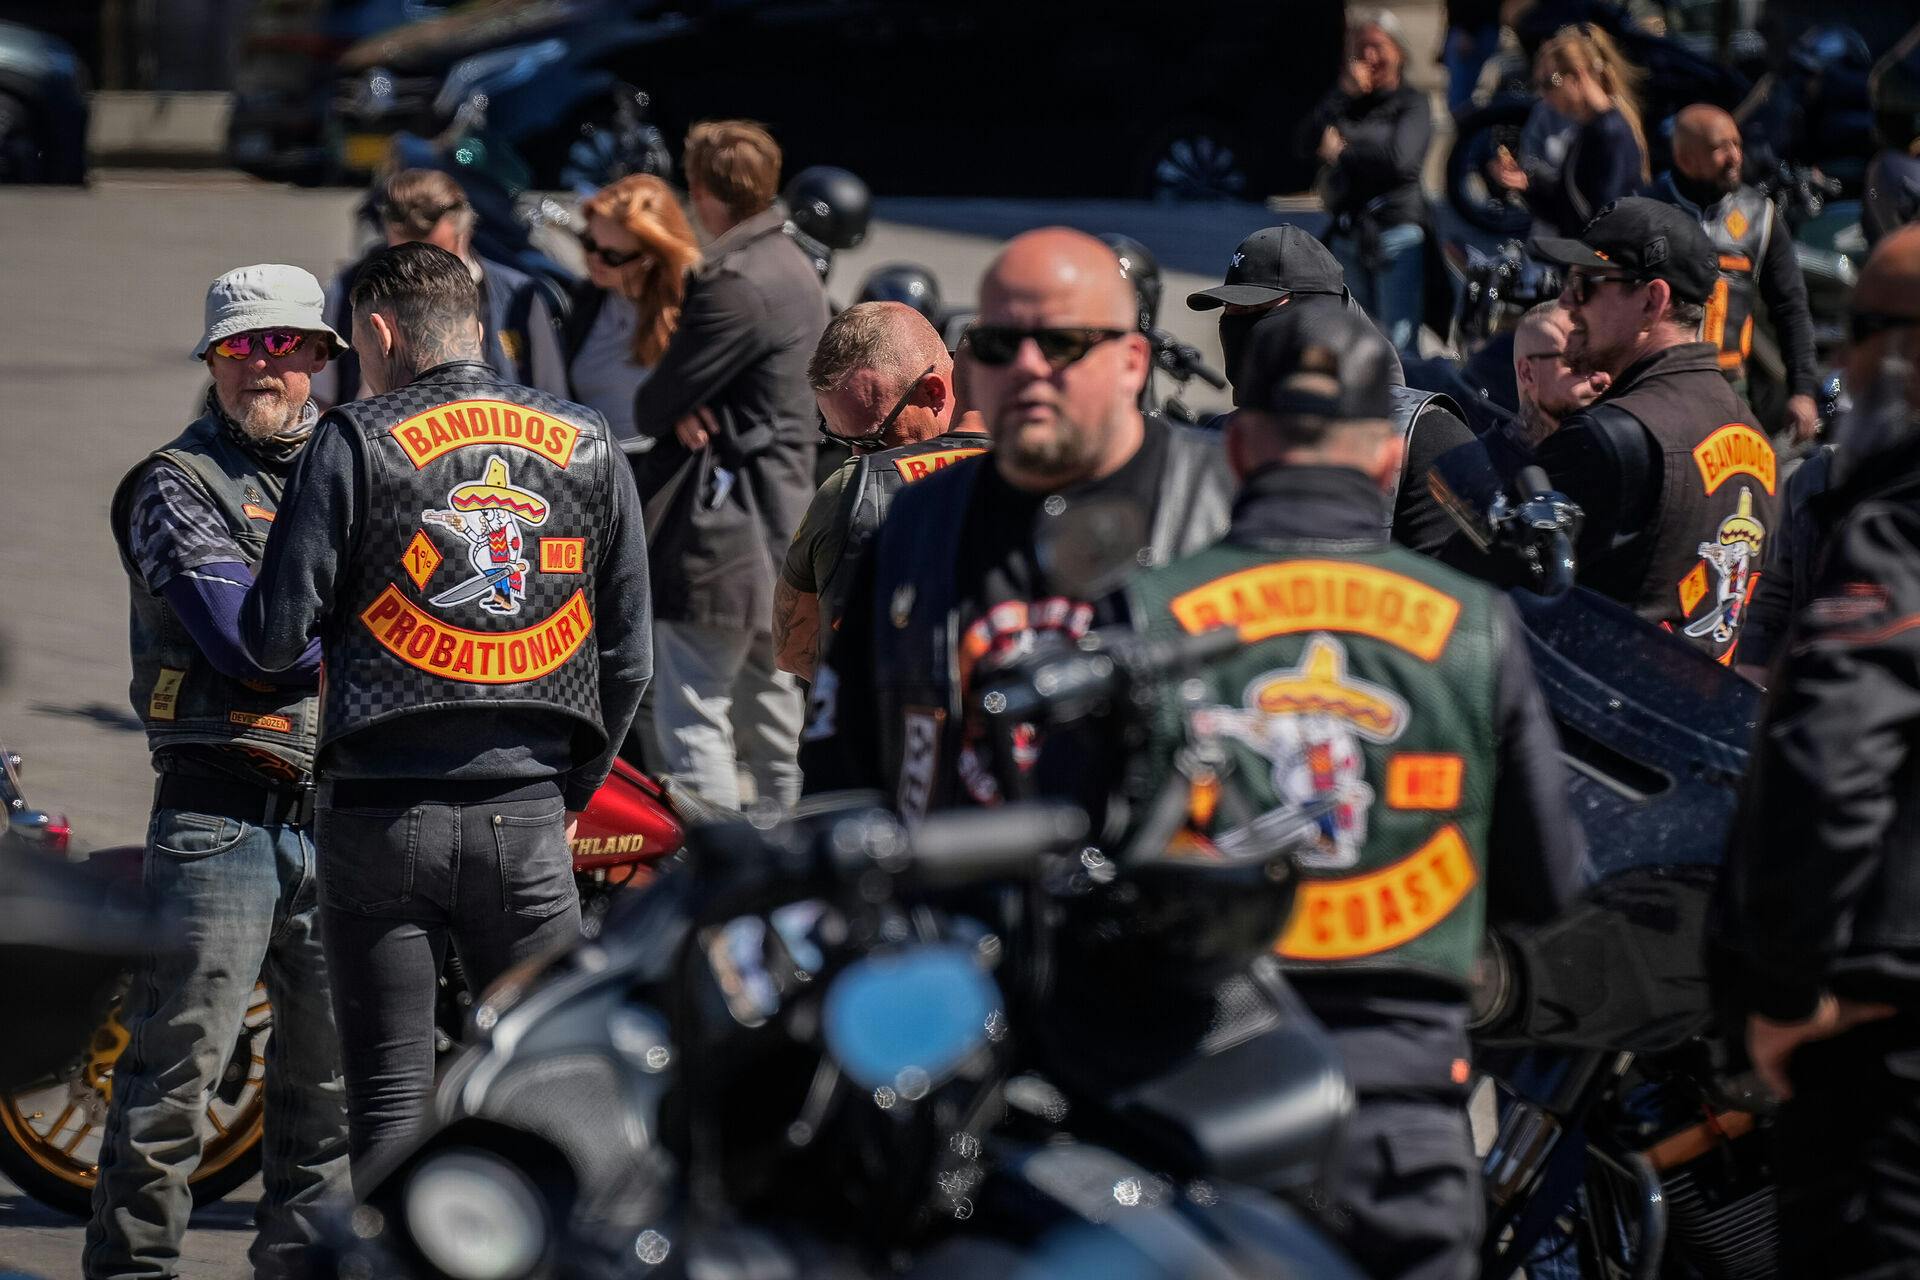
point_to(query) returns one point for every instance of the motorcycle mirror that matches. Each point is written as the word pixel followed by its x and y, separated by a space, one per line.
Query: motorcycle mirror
pixel 1091 547
pixel 907 1021
pixel 1466 485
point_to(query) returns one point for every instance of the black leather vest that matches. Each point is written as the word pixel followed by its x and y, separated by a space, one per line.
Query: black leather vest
pixel 1408 404
pixel 474 575
pixel 180 697
pixel 876 478
pixel 916 617
pixel 1718 497
pixel 1741 225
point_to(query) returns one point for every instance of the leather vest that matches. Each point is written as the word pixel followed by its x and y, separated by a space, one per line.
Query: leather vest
pixel 1892 195
pixel 1364 699
pixel 917 677
pixel 1741 225
pixel 1408 404
pixel 876 478
pixel 1718 497
pixel 180 697
pixel 473 579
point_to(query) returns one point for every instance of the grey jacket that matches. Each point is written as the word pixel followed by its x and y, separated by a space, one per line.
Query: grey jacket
pixel 720 519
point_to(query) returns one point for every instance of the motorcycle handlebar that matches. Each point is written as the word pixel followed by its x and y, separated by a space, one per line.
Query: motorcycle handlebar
pixel 1182 361
pixel 953 849
pixel 1062 688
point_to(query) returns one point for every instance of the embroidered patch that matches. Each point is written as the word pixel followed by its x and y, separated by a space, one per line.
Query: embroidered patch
pixel 165 702
pixel 922 465
pixel 468 423
pixel 1736 223
pixel 253 512
pixel 1425 781
pixel 919 758
pixel 1305 720
pixel 421 640
pixel 1736 449
pixel 1734 556
pixel 420 559
pixel 488 513
pixel 1692 588
pixel 272 723
pixel 1366 914
pixel 1323 595
pixel 563 555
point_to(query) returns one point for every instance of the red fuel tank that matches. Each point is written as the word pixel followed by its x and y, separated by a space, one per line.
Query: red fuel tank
pixel 628 821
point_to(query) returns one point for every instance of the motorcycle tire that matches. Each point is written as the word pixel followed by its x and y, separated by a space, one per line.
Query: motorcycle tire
pixel 45 1130
pixel 1467 189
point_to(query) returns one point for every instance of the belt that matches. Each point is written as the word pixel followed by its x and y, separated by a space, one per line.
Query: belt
pixel 261 805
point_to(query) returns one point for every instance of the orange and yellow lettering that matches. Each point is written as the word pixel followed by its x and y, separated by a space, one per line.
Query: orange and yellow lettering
pixel 1366 914
pixel 425 437
pixel 477 657
pixel 1324 595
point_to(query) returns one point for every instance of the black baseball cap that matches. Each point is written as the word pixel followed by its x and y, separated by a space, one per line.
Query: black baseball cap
pixel 1272 263
pixel 1333 363
pixel 1647 239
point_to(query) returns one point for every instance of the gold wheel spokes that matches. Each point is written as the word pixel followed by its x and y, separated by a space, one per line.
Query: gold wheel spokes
pixel 68 1145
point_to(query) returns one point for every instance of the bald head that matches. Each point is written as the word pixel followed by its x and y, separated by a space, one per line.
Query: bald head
pixel 1547 386
pixel 1064 269
pixel 1890 282
pixel 876 357
pixel 1070 412
pixel 1706 146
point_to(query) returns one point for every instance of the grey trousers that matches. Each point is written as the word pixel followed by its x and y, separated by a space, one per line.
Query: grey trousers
pixel 721 706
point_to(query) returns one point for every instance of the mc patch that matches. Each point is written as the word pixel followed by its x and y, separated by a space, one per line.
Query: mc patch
pixel 563 555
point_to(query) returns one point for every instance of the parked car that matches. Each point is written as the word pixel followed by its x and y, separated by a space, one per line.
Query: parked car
pixel 43 108
pixel 289 52
pixel 995 97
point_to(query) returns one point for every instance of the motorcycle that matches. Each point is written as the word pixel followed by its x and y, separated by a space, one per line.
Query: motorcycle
pixel 834 1046
pixel 1621 1090
pixel 53 1112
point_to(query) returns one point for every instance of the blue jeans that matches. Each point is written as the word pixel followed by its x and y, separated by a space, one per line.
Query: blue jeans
pixel 247 897
pixel 1467 54
pixel 1395 294
pixel 400 881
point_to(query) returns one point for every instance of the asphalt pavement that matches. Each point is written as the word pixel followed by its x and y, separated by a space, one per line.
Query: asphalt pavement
pixel 100 308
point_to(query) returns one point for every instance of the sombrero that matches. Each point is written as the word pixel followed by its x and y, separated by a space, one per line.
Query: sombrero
pixel 493 490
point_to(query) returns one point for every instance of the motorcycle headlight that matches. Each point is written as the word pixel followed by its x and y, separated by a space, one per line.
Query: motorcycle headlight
pixel 476 1217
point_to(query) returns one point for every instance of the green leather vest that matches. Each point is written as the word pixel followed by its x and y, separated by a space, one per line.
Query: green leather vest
pixel 1364 694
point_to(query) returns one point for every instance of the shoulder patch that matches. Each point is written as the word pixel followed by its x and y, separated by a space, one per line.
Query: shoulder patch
pixel 1293 596
pixel 1736 449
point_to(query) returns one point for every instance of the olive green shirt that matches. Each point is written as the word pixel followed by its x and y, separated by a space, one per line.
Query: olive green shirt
pixel 822 535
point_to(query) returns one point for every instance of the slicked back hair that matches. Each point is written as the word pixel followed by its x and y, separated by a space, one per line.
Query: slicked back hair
pixel 429 293
pixel 737 161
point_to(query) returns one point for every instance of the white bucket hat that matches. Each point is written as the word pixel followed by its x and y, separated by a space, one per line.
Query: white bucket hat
pixel 268 296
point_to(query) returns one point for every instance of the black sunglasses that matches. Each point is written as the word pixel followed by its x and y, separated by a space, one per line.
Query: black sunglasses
pixel 1581 285
pixel 877 438
pixel 996 345
pixel 1862 325
pixel 611 257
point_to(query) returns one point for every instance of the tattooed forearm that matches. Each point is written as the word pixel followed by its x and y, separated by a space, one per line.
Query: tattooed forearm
pixel 796 630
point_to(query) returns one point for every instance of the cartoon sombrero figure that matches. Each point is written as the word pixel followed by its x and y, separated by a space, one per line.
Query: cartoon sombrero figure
pixel 1320 686
pixel 494 489
pixel 1741 526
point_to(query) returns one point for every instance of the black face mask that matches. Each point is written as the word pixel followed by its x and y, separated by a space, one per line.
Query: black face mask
pixel 1235 333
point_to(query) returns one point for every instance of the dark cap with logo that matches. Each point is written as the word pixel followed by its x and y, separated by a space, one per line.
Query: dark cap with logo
pixel 1333 364
pixel 1272 263
pixel 1645 239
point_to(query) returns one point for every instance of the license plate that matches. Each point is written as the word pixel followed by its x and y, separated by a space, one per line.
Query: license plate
pixel 365 152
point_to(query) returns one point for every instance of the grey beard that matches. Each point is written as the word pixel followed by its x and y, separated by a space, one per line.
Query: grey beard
pixel 263 419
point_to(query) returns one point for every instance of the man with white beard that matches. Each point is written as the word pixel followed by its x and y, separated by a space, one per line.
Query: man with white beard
pixel 228 845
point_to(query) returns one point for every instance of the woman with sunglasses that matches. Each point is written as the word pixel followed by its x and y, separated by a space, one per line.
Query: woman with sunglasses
pixel 639 248
pixel 1582 75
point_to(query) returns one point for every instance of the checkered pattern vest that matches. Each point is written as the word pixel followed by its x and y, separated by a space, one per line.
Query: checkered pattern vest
pixel 473 578
pixel 180 697
pixel 1363 698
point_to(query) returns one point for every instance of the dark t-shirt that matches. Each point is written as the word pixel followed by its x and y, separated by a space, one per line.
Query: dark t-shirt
pixel 1000 595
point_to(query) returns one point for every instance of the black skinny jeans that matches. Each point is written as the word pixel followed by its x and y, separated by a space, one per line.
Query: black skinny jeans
pixel 397 882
